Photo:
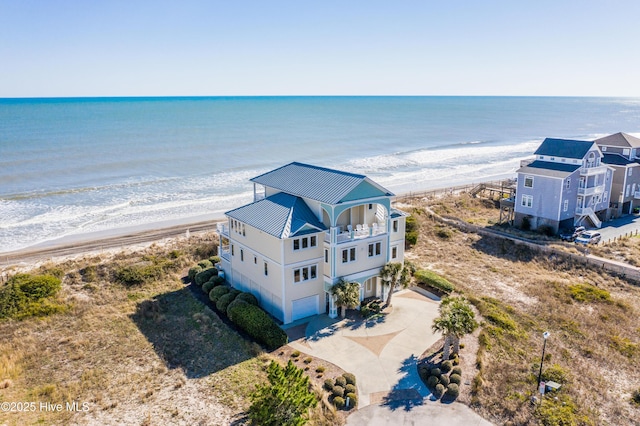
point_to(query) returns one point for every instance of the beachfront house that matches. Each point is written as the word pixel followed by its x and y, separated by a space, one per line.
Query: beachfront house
pixel 307 228
pixel 565 185
pixel 622 152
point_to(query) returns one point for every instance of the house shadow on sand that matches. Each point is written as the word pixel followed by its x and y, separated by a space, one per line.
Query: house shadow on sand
pixel 189 336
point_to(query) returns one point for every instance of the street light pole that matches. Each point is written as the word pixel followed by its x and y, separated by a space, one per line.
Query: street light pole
pixel 545 335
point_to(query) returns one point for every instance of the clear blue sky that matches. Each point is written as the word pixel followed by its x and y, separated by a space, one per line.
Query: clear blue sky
pixel 262 47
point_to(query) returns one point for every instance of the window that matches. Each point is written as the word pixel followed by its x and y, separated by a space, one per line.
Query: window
pixel 232 250
pixel 541 157
pixel 349 255
pixel 305 242
pixel 375 249
pixel 241 255
pixel 626 152
pixel 395 226
pixel 565 207
pixel 630 172
pixel 266 269
pixel 527 200
pixel 255 260
pixel 394 252
pixel 370 206
pixel 567 183
pixel 528 182
pixel 552 158
pixel 326 256
pixel 606 195
pixel 305 273
pixel 604 149
pixel 628 190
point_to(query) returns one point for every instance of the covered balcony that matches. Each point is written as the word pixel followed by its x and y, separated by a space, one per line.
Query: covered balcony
pixel 592 190
pixel 339 234
pixel 590 170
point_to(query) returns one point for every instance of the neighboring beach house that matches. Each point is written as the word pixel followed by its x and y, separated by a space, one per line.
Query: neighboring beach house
pixel 622 152
pixel 566 184
pixel 308 227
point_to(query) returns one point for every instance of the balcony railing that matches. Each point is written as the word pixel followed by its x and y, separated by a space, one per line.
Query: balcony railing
pixel 591 190
pixel 592 170
pixel 352 233
pixel 223 229
pixel 584 211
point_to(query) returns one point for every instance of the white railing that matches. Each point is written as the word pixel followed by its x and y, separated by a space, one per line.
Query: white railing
pixel 584 211
pixel 356 232
pixel 223 229
pixel 592 170
pixel 591 190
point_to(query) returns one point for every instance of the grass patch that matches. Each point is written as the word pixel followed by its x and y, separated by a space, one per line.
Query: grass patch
pixel 26 295
pixel 587 293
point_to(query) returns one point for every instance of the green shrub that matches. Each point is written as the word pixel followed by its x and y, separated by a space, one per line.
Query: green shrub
pixel 337 391
pixel 635 397
pixel 216 280
pixel 131 275
pixel 205 264
pixel 455 378
pixel 456 360
pixel 411 238
pixel 320 369
pixel 26 295
pixel 439 390
pixel 218 292
pixel 350 378
pixel 453 390
pixel 446 366
pixel 307 360
pixel 350 388
pixel 338 401
pixel 431 279
pixel 205 275
pixel 443 233
pixel 232 304
pixel 526 224
pixel 444 379
pixel 555 373
pixel 295 354
pixel 353 399
pixel 257 324
pixel 456 370
pixel 436 372
pixel 208 286
pixel 588 293
pixel 328 385
pixel 224 301
pixel 432 381
pixel 341 381
pixel 214 259
pixel 193 272
pixel 424 372
pixel 248 297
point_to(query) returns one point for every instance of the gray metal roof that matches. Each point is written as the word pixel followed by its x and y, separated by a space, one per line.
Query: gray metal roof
pixel 566 148
pixel 547 168
pixel 619 139
pixel 281 215
pixel 317 183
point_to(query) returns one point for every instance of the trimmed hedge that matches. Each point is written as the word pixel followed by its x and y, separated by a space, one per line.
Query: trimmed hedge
pixel 353 399
pixel 205 264
pixel 338 402
pixel 350 378
pixel 205 275
pixel 232 304
pixel 193 272
pixel 432 381
pixel 453 391
pixel 338 391
pixel 224 301
pixel 249 298
pixel 350 388
pixel 217 292
pixel 341 381
pixel 455 378
pixel 434 280
pixel 257 324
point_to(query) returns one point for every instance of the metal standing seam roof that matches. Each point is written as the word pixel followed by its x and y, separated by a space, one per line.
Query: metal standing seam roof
pixel 548 168
pixel 616 160
pixel 281 215
pixel 619 139
pixel 313 182
pixel 566 148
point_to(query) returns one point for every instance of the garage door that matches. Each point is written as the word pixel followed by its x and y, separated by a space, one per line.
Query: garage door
pixel 304 307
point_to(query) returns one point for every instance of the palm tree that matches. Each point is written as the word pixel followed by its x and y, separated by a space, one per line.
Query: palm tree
pixel 394 274
pixel 456 320
pixel 347 294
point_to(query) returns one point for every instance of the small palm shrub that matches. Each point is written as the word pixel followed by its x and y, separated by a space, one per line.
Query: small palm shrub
pixel 444 379
pixel 453 391
pixel 432 381
pixel 455 378
pixel 350 378
pixel 337 391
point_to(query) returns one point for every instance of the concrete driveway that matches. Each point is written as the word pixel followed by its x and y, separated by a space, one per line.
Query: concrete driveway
pixel 383 353
pixel 615 228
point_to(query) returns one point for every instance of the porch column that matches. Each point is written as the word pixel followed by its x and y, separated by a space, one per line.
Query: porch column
pixel 333 309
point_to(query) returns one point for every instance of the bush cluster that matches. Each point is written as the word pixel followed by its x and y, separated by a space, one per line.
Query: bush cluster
pixel 431 279
pixel 26 295
pixel 411 231
pixel 217 292
pixel 205 275
pixel 257 324
pixel 440 382
pixel 343 388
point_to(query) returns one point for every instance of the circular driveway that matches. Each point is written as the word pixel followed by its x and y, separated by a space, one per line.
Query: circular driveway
pixel 383 353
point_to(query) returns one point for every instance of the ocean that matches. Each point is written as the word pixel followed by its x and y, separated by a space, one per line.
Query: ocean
pixel 77 166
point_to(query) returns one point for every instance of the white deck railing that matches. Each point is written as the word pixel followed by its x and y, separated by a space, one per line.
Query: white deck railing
pixel 356 232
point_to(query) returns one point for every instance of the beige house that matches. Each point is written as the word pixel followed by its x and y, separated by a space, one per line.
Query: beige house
pixel 308 227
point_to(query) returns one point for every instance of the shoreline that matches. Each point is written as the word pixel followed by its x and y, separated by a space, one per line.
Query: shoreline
pixel 147 234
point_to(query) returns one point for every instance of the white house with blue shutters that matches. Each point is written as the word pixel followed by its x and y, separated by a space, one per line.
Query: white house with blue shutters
pixel 566 184
pixel 308 227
